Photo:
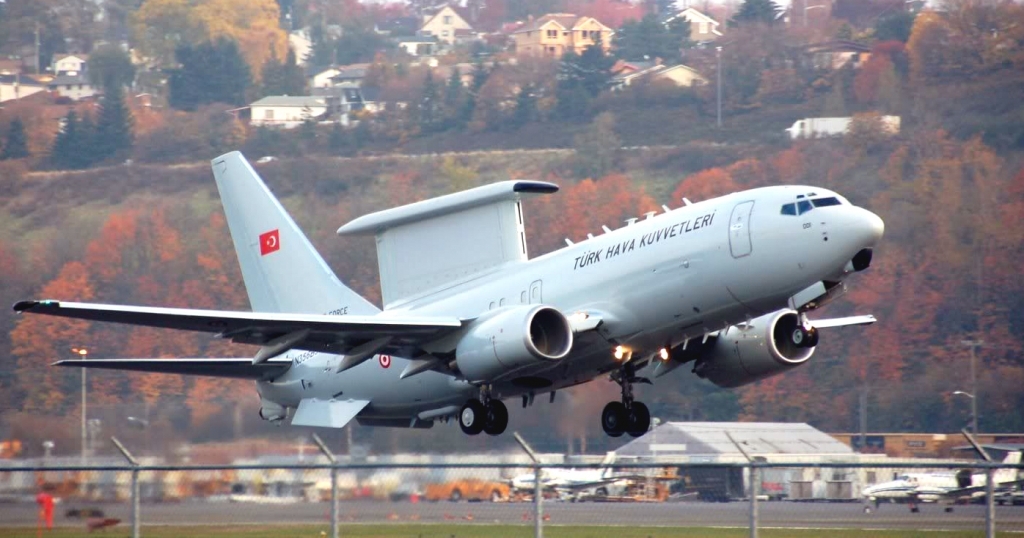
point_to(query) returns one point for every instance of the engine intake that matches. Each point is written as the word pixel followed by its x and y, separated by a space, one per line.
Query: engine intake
pixel 505 341
pixel 746 353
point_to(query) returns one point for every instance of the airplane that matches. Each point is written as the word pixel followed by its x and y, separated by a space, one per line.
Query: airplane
pixel 573 482
pixel 915 488
pixel 469 320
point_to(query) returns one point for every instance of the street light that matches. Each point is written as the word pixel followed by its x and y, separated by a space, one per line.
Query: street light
pixel 84 354
pixel 974 410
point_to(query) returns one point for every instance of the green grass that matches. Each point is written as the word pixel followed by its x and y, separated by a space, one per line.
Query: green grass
pixel 473 531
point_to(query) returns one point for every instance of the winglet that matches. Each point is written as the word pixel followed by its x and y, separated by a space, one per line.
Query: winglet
pixel 25 306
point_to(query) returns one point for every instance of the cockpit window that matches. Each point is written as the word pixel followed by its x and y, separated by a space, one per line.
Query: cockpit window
pixel 824 202
pixel 789 209
pixel 803 206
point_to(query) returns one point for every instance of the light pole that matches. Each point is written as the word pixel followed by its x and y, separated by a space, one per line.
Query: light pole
pixel 973 344
pixel 718 57
pixel 974 411
pixel 84 354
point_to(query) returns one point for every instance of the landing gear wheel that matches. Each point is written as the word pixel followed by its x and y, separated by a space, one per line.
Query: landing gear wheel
pixel 613 419
pixel 495 417
pixel 472 417
pixel 638 419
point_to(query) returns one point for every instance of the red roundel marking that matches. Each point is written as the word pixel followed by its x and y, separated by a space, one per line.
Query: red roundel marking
pixel 385 360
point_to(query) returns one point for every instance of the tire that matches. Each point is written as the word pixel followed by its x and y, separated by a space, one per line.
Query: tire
pixel 613 419
pixel 495 418
pixel 495 496
pixel 471 417
pixel 638 419
pixel 456 495
pixel 812 339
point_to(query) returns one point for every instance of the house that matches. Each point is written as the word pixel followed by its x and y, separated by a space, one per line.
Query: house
pixel 351 100
pixel 418 46
pixel 17 86
pixel 10 66
pixel 443 25
pixel 74 87
pixel 627 73
pixel 287 112
pixel 345 75
pixel 69 64
pixel 837 54
pixel 557 33
pixel 702 27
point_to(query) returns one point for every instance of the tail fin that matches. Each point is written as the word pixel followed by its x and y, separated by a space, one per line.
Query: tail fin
pixel 281 269
pixel 1009 475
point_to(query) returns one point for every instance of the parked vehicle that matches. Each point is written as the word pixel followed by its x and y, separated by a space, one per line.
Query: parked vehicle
pixel 822 127
pixel 469 490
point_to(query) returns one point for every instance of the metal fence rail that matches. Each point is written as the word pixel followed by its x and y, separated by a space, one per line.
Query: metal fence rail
pixel 648 493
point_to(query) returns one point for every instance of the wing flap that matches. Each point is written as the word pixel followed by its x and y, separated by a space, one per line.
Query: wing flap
pixel 843 322
pixel 240 368
pixel 325 333
pixel 327 413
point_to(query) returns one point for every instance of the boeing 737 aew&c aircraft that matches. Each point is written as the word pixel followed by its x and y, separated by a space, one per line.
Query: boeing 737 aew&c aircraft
pixel 469 320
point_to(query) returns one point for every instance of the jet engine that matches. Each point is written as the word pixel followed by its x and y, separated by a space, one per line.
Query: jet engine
pixel 505 341
pixel 766 346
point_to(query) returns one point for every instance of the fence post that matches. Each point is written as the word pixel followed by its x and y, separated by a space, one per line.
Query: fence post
pixel 990 503
pixel 538 487
pixel 755 487
pixel 334 483
pixel 135 485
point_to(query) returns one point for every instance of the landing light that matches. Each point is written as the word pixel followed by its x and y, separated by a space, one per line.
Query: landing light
pixel 663 354
pixel 620 352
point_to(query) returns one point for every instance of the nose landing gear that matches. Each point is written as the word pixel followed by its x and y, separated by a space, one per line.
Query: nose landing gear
pixel 489 416
pixel 627 416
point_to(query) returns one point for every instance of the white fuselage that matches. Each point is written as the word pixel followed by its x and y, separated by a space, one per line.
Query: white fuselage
pixel 655 283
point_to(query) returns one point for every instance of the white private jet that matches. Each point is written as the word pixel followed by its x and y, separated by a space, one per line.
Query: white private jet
pixel 915 488
pixel 572 482
pixel 470 320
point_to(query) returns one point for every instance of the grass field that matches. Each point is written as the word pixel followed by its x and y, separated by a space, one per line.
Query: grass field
pixel 473 531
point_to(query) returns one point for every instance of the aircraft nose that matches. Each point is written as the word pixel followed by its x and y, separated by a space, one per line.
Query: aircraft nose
pixel 870 226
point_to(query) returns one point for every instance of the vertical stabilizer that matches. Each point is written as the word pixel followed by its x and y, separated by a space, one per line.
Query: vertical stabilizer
pixel 281 269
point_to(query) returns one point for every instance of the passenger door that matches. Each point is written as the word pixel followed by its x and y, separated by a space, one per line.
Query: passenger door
pixel 739 230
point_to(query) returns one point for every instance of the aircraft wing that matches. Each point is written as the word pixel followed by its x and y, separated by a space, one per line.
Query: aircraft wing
pixel 234 368
pixel 843 322
pixel 312 332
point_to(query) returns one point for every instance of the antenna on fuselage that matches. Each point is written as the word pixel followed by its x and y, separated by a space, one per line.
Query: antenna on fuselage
pixel 568 242
pixel 687 201
pixel 606 229
pixel 665 207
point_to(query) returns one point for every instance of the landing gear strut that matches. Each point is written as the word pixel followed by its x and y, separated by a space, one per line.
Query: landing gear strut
pixel 489 416
pixel 627 416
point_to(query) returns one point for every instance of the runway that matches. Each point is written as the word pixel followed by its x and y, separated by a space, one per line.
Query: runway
pixel 690 514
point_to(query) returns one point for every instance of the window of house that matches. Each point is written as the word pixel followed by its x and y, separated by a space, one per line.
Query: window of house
pixel 565 34
pixel 447 19
pixel 444 33
pixel 552 33
pixel 551 50
pixel 268 114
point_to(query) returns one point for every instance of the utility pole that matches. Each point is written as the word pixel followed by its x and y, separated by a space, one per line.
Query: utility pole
pixel 39 61
pixel 974 344
pixel 718 57
pixel 83 353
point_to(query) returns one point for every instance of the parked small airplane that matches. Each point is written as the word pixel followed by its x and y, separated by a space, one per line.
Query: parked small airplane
pixel 572 482
pixel 470 320
pixel 915 488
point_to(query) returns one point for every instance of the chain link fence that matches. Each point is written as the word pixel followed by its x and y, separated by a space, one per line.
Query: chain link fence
pixel 330 496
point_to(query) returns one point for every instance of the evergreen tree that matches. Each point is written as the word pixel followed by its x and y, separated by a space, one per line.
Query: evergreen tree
pixel 526 106
pixel 72 148
pixel 336 140
pixel 110 66
pixel 209 73
pixel 756 11
pixel 16 146
pixel 114 126
pixel 283 78
pixel 581 77
pixel 649 38
pixel 429 105
pixel 453 96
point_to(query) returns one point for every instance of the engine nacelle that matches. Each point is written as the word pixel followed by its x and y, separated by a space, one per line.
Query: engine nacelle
pixel 750 352
pixel 502 342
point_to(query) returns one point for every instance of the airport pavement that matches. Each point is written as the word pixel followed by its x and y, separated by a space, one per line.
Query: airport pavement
pixel 774 514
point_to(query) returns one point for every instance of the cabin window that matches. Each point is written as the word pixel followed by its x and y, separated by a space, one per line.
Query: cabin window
pixel 789 209
pixel 803 206
pixel 501 302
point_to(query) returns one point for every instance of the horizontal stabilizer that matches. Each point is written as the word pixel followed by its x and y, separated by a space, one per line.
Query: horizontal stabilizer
pixel 327 413
pixel 843 322
pixel 241 368
pixel 324 333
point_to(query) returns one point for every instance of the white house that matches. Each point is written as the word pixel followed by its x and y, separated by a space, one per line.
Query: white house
pixel 14 87
pixel 418 46
pixel 74 87
pixel 627 73
pixel 443 25
pixel 69 64
pixel 346 75
pixel 702 27
pixel 287 112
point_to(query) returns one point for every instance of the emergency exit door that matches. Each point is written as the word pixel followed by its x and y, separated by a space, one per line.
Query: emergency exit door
pixel 739 229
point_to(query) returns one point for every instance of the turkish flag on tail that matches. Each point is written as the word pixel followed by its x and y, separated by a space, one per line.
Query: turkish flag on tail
pixel 270 242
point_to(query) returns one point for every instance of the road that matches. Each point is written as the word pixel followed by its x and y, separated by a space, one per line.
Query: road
pixel 774 514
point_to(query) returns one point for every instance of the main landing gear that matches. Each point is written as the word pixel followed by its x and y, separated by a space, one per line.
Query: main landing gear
pixel 627 416
pixel 803 336
pixel 489 416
